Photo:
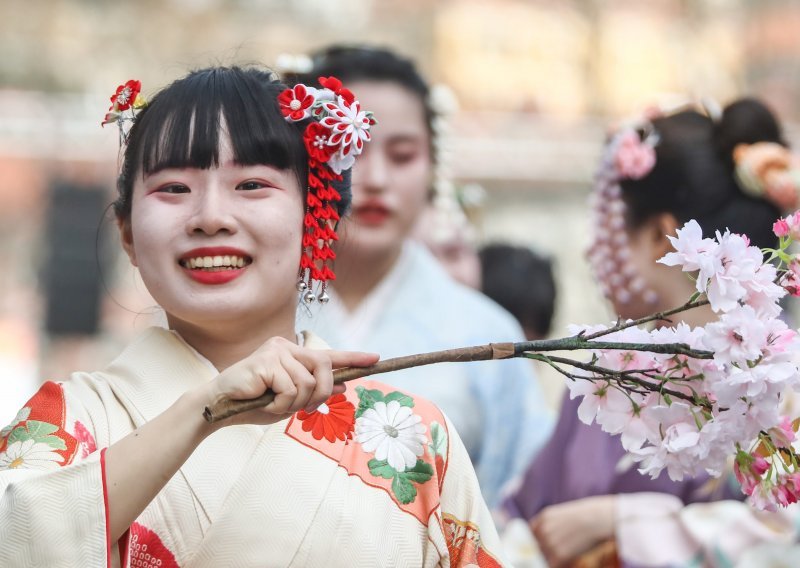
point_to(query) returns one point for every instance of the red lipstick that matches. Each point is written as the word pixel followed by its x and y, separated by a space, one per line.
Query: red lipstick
pixel 214 265
pixel 371 213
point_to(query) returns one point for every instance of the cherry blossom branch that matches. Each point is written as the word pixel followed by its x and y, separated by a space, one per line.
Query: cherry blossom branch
pixel 581 342
pixel 658 316
pixel 619 377
pixel 225 408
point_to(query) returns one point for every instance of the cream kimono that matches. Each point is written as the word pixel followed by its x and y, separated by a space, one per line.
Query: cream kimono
pixel 307 491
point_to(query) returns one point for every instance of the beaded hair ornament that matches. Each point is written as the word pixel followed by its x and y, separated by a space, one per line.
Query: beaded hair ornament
pixel 628 155
pixel 336 133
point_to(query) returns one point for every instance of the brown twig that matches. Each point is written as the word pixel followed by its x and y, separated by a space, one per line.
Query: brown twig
pixel 664 316
pixel 225 408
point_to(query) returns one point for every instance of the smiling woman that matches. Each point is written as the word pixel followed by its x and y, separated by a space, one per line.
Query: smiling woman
pixel 229 195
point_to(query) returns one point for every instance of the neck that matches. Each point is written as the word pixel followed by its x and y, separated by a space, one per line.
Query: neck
pixel 676 290
pixel 225 344
pixel 696 317
pixel 358 274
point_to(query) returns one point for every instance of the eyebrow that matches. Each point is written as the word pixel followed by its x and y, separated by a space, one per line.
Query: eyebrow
pixel 404 137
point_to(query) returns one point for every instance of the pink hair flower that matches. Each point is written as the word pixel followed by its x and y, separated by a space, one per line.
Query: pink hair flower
pixel 634 158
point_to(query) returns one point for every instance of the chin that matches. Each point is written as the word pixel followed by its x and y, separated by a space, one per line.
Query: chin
pixel 370 242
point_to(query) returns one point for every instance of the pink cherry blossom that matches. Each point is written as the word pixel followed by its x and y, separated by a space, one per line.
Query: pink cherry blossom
pixel 738 337
pixel 783 434
pixel 692 251
pixel 791 279
pixel 780 228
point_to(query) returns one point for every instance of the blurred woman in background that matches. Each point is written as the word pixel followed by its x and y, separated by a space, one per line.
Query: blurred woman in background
pixel 582 490
pixel 393 297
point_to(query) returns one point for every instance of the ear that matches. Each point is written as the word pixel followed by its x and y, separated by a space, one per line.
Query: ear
pixel 126 237
pixel 659 227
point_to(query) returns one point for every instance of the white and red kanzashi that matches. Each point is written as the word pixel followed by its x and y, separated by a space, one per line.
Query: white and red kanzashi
pixel 333 139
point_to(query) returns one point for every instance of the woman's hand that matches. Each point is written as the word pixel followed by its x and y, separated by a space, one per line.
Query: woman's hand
pixel 567 530
pixel 301 378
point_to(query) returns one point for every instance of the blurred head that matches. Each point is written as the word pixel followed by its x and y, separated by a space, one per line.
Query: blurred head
pixel 692 177
pixel 392 179
pixel 212 173
pixel 523 283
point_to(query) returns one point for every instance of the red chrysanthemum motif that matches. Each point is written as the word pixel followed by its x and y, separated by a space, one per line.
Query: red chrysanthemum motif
pixel 296 102
pixel 335 85
pixel 125 96
pixel 85 439
pixel 316 140
pixel 333 420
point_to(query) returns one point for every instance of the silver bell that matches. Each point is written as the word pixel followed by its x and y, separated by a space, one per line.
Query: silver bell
pixel 301 286
pixel 324 298
pixel 309 297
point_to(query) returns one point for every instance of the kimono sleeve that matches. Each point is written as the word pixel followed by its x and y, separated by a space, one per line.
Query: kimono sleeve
pixel 720 533
pixel 464 520
pixel 53 505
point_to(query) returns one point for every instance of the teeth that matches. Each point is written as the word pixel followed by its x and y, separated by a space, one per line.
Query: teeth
pixel 214 262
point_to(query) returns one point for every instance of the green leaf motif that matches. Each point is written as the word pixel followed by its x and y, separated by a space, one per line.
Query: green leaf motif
pixel 403 490
pixel 39 432
pixel 39 429
pixel 400 397
pixel 367 399
pixel 402 481
pixel 438 445
pixel 420 473
pixel 21 416
pixel 381 468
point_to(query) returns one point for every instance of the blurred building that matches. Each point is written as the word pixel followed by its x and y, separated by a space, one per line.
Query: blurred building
pixel 537 82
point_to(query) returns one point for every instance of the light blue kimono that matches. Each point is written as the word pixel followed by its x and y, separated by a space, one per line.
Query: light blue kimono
pixel 496 406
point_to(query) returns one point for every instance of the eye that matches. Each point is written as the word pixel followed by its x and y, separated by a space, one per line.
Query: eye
pixel 251 185
pixel 173 188
pixel 403 156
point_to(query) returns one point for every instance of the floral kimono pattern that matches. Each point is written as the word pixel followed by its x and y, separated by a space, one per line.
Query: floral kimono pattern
pixel 374 477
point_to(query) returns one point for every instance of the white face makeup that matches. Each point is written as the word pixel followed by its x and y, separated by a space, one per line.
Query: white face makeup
pixel 391 179
pixel 218 245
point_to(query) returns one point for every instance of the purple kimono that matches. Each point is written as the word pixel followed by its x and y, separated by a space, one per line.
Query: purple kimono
pixel 582 461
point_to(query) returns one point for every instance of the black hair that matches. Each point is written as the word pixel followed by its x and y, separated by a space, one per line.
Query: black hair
pixel 522 282
pixel 693 177
pixel 351 63
pixel 180 128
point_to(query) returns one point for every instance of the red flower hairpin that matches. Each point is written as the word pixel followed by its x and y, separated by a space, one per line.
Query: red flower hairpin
pixel 333 140
pixel 125 104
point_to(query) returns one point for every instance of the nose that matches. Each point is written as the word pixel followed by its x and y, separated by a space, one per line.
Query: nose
pixel 371 174
pixel 212 212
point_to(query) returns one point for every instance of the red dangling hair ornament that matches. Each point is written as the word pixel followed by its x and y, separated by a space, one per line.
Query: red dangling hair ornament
pixel 333 139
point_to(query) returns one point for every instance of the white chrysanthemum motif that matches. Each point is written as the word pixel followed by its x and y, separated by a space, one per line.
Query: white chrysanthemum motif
pixel 349 127
pixel 29 454
pixel 393 432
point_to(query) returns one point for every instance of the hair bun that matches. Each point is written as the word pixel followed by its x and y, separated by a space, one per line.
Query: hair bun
pixel 745 121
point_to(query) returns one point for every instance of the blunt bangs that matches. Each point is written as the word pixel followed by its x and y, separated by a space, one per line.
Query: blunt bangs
pixel 185 123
